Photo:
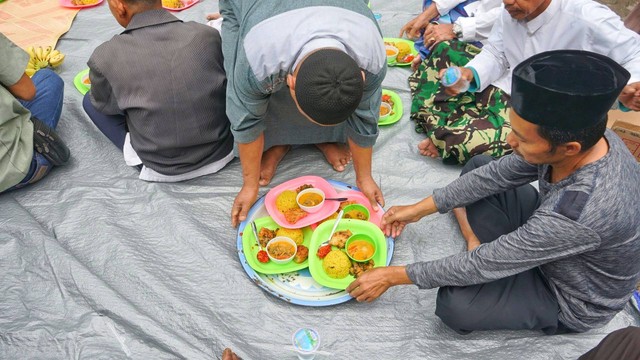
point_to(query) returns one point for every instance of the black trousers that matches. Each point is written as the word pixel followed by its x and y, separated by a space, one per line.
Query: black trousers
pixel 622 344
pixel 521 301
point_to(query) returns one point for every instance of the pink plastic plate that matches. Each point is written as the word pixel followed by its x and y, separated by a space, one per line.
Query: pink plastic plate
pixel 327 209
pixel 187 4
pixel 69 4
pixel 357 196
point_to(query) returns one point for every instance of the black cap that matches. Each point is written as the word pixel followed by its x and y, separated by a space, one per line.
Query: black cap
pixel 566 89
pixel 329 86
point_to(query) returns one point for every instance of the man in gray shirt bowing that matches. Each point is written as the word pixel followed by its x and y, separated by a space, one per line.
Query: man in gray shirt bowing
pixel 564 259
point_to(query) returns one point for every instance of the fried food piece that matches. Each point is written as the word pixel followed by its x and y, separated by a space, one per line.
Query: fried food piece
pixel 294 234
pixel 286 201
pixel 301 255
pixel 304 187
pixel 264 235
pixel 293 215
pixel 357 268
pixel 339 238
pixel 344 204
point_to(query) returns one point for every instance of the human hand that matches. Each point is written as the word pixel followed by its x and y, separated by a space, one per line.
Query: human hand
pixel 397 217
pixel 375 282
pixel 241 205
pixel 466 74
pixel 630 96
pixel 437 33
pixel 371 190
pixel 413 28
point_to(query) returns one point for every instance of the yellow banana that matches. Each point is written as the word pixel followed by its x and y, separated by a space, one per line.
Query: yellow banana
pixel 31 51
pixel 31 65
pixel 30 72
pixel 56 60
pixel 39 53
pixel 53 53
pixel 46 52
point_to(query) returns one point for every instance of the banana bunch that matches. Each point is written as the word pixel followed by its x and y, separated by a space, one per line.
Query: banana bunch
pixel 40 58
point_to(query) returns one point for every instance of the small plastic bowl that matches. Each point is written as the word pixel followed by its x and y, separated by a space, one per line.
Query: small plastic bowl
pixel 351 212
pixel 304 205
pixel 360 245
pixel 392 53
pixel 274 241
pixel 386 108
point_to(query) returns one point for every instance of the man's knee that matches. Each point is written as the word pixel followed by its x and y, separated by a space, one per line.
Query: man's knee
pixel 453 307
pixel 49 76
pixel 476 162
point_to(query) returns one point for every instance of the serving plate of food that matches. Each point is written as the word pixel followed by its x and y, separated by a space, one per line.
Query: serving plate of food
pixel 336 264
pixel 299 287
pixel 405 53
pixel 79 4
pixel 395 104
pixel 282 206
pixel 178 5
pixel 267 230
pixel 82 82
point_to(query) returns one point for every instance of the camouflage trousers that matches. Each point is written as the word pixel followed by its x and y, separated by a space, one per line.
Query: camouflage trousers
pixel 464 125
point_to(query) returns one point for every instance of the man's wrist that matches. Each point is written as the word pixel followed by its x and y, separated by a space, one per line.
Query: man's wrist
pixel 457 30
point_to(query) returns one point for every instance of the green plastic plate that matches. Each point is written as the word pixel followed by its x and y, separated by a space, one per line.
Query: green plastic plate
pixel 251 249
pixel 409 42
pixel 321 234
pixel 397 109
pixel 77 81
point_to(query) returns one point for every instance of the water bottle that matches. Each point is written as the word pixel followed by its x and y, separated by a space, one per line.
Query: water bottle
pixel 452 78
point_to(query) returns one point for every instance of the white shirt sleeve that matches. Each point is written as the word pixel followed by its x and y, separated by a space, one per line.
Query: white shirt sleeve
pixel 444 6
pixel 478 27
pixel 491 63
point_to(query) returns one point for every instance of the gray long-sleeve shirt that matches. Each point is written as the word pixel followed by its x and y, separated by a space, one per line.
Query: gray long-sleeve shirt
pixel 585 236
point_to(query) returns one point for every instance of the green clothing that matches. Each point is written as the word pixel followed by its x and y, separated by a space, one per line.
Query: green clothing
pixel 464 125
pixel 16 128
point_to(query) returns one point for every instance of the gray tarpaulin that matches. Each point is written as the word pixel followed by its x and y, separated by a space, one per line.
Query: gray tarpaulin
pixel 96 264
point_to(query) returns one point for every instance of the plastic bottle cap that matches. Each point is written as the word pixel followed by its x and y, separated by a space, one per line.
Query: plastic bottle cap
pixel 451 76
pixel 306 340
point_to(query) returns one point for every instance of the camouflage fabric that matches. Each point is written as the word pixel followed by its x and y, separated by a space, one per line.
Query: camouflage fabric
pixel 464 125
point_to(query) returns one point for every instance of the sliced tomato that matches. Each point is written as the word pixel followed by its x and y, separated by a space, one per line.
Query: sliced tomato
pixel 386 97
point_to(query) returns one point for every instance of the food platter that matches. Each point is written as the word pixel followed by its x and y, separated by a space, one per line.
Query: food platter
pixel 298 287
pixel 327 209
pixel 80 81
pixel 186 4
pixel 71 5
pixel 412 51
pixel 397 109
pixel 322 232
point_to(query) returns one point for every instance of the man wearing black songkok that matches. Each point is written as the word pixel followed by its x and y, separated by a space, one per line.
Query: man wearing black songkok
pixel 302 72
pixel 561 259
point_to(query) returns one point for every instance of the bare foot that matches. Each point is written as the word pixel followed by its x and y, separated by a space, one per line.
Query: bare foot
pixel 427 148
pixel 338 155
pixel 270 160
pixel 467 232
pixel 213 16
pixel 227 354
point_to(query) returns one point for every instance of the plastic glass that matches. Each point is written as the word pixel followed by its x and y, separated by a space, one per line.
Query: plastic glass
pixel 285 239
pixel 306 342
pixel 360 237
pixel 452 78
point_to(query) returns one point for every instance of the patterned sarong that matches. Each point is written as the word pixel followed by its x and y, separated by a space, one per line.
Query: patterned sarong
pixel 464 125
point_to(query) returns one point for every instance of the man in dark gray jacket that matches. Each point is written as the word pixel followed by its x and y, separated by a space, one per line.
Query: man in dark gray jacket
pixel 564 259
pixel 158 93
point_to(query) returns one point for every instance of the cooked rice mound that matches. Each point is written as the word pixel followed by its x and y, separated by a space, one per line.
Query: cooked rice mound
pixel 336 264
pixel 294 234
pixel 286 201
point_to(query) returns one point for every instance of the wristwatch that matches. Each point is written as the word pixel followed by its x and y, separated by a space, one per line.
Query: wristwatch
pixel 457 30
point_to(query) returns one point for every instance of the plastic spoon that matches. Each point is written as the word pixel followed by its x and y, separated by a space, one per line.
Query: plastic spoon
pixel 262 255
pixel 338 199
pixel 335 226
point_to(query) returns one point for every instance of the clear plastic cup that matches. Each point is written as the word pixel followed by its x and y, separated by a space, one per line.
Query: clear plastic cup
pixel 306 342
pixel 452 78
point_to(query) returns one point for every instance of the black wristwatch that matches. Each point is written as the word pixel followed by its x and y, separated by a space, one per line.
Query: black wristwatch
pixel 457 30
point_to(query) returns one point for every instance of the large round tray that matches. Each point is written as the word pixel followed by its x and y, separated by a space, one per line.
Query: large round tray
pixel 297 287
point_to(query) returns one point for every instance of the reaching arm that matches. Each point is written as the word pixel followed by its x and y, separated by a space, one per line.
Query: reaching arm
pixel 491 63
pixel 13 62
pixel 24 89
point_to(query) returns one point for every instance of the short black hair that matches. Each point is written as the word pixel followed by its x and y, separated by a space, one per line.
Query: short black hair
pixel 587 137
